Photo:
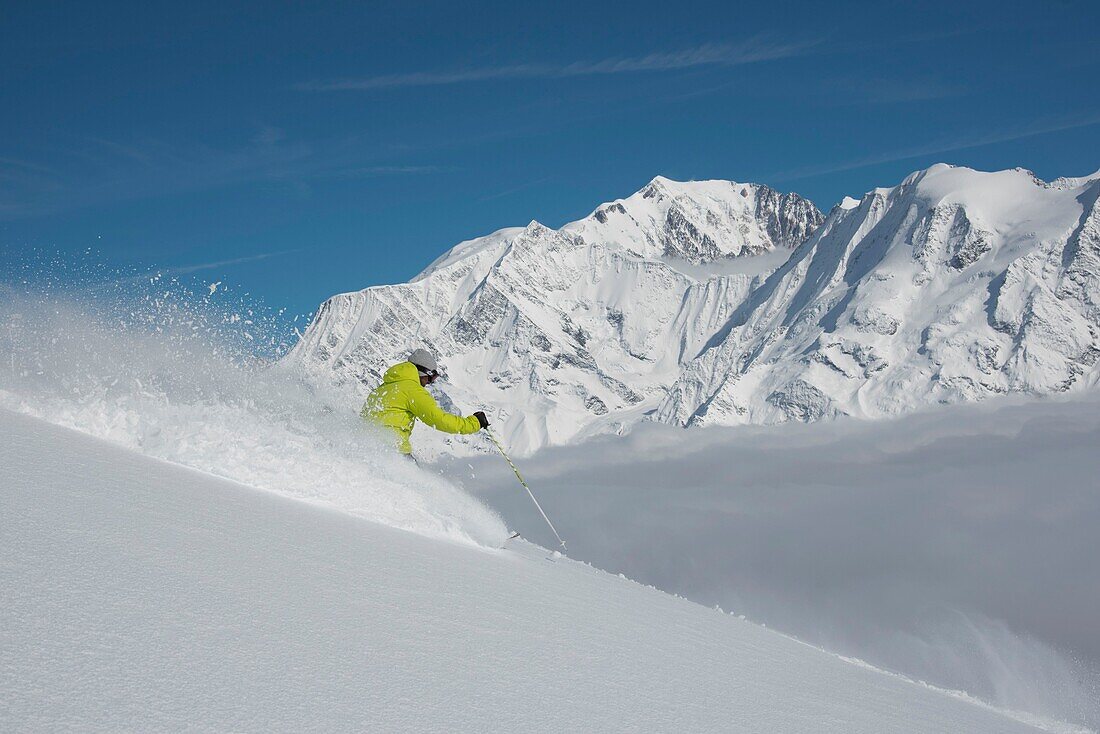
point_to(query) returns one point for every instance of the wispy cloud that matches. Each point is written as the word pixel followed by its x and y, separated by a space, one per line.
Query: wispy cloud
pixel 177 270
pixel 516 189
pixel 197 267
pixel 715 54
pixel 93 171
pixel 370 171
pixel 10 165
pixel 878 90
pixel 1037 127
pixel 836 91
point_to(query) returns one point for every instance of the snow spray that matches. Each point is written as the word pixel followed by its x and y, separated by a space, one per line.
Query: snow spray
pixel 183 372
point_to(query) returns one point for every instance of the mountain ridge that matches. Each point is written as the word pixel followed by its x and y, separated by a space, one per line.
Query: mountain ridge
pixel 946 284
pixel 718 302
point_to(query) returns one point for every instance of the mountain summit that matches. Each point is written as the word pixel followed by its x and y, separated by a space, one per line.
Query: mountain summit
pixel 576 330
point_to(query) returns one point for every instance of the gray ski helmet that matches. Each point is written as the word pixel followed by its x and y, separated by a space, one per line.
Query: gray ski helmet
pixel 424 361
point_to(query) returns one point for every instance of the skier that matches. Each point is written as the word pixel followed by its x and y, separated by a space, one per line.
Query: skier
pixel 401 399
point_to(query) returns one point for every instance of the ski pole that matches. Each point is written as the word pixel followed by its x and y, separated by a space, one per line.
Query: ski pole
pixel 524 483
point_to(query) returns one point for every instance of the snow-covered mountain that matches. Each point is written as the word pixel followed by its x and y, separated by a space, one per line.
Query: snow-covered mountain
pixel 562 333
pixel 952 286
pixel 715 302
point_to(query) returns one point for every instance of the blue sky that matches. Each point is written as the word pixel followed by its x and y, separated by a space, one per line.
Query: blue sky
pixel 301 150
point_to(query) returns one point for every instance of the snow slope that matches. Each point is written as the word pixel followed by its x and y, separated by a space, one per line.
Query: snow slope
pixel 569 332
pixel 141 595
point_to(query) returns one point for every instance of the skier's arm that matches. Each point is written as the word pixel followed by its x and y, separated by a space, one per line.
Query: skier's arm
pixel 424 407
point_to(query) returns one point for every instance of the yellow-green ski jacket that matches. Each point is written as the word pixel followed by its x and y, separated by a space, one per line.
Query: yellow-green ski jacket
pixel 401 399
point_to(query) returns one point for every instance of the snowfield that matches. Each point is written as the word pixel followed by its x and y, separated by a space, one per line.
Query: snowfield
pixel 145 596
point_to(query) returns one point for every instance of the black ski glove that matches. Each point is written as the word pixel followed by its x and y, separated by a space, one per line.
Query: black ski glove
pixel 480 415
